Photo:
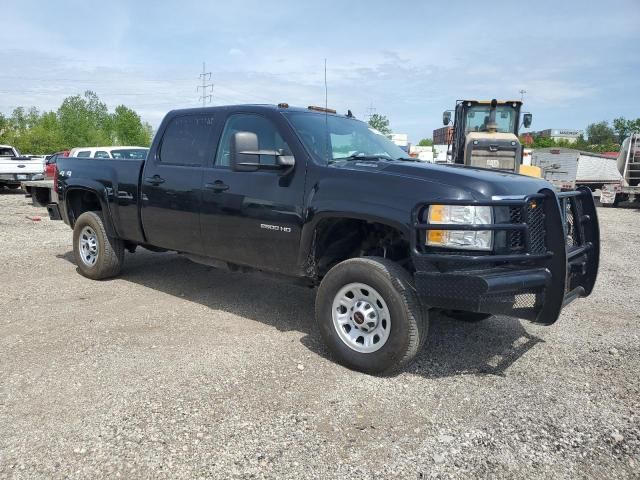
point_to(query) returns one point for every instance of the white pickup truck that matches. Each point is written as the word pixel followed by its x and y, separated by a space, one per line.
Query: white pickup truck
pixel 15 168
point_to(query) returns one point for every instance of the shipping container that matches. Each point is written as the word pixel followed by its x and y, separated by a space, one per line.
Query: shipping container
pixel 443 136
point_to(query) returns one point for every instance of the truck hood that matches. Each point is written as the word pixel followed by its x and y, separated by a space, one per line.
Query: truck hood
pixel 477 183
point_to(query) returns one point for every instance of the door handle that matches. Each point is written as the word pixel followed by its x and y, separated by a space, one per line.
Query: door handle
pixel 217 186
pixel 155 180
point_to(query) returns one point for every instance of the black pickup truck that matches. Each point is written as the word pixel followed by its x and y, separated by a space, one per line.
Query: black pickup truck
pixel 325 200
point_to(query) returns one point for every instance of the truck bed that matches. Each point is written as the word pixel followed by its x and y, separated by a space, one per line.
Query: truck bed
pixel 120 179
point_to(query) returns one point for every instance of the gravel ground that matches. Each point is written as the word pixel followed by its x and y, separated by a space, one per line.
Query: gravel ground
pixel 176 370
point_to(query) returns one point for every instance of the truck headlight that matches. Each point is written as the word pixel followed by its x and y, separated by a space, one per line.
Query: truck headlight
pixel 462 239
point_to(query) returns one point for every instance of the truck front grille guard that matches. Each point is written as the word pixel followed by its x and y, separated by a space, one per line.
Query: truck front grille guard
pixel 557 232
pixel 525 232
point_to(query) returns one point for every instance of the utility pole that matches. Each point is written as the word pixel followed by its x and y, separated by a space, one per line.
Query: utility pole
pixel 206 87
pixel 372 111
pixel 522 92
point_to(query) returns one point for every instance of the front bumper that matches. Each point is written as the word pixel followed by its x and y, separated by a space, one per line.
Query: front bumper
pixel 558 261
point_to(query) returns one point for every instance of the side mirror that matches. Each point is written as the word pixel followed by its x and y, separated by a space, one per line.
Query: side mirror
pixel 446 117
pixel 244 149
pixel 527 118
pixel 241 144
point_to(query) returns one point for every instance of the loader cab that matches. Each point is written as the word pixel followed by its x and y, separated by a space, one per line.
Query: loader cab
pixel 485 134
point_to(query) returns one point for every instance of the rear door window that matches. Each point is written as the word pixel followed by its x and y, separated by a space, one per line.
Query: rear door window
pixel 84 154
pixel 188 140
pixel 101 154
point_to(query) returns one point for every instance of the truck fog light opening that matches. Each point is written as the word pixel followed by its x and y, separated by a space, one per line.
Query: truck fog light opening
pixel 459 215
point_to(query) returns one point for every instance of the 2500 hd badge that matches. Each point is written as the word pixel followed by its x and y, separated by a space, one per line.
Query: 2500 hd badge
pixel 279 228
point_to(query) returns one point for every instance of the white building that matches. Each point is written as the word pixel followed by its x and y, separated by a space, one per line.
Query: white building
pixel 566 134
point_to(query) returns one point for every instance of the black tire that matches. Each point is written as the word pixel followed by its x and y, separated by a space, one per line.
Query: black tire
pixel 110 250
pixel 408 322
pixel 40 197
pixel 463 316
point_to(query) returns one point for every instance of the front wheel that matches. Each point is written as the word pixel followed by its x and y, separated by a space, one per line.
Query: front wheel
pixel 369 315
pixel 98 255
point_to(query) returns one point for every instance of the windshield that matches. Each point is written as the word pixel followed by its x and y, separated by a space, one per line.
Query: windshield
pixel 348 139
pixel 478 117
pixel 6 152
pixel 130 153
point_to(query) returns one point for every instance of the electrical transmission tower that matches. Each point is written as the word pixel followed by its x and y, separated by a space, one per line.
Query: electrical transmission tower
pixel 372 111
pixel 522 92
pixel 206 87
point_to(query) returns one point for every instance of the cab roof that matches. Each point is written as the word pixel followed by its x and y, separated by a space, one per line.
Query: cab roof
pixel 488 102
pixel 281 107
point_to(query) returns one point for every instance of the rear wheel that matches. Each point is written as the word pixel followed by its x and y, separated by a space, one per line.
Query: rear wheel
pixel 98 255
pixel 369 315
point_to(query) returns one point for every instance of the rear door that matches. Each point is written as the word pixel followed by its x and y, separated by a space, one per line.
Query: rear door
pixel 254 218
pixel 172 183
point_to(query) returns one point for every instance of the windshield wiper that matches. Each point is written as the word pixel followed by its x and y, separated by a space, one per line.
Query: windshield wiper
pixel 359 156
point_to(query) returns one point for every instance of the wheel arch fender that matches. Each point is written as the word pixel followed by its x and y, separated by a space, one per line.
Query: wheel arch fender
pixel 308 237
pixel 75 207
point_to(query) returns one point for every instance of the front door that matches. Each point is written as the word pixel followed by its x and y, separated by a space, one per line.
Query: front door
pixel 172 184
pixel 253 218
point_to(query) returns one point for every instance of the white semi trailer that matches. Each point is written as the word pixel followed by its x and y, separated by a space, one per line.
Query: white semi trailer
pixel 567 168
pixel 628 163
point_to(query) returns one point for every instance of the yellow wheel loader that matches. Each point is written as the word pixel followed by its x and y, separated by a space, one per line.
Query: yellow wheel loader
pixel 485 134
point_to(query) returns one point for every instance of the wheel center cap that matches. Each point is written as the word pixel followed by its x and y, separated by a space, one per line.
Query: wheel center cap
pixel 358 317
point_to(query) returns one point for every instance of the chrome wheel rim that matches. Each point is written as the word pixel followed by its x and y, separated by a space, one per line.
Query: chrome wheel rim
pixel 88 246
pixel 361 317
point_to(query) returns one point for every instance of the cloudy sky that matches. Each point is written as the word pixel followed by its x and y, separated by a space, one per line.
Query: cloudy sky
pixel 578 60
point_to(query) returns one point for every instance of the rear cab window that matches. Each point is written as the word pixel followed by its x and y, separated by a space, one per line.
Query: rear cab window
pixel 188 141
pixel 6 152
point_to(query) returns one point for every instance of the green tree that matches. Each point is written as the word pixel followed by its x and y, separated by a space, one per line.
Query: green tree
pixel 149 133
pixel 600 133
pixel 85 121
pixel 128 128
pixel 4 124
pixel 45 136
pixel 425 142
pixel 79 121
pixel 623 127
pixel 380 123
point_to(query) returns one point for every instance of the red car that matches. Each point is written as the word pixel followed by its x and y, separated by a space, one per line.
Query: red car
pixel 50 163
